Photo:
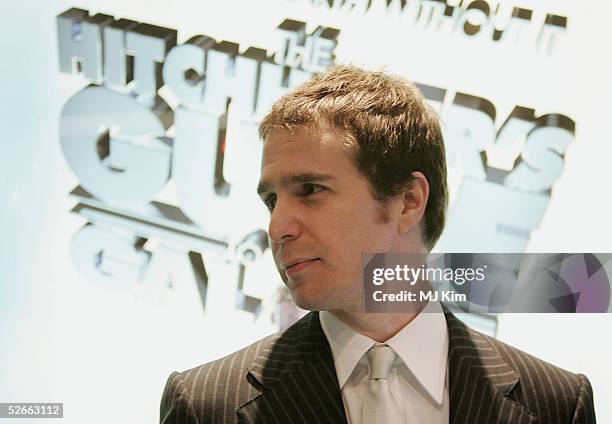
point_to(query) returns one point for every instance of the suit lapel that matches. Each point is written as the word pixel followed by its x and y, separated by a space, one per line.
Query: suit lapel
pixel 295 379
pixel 480 380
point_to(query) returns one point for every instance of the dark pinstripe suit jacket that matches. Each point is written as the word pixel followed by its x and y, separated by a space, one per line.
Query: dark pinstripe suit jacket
pixel 289 377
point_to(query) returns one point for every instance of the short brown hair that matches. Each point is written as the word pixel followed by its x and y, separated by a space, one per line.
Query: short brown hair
pixel 391 130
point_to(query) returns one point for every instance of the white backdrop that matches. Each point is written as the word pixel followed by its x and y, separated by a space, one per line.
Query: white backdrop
pixel 106 354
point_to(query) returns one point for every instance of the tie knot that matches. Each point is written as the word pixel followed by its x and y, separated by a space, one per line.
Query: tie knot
pixel 380 359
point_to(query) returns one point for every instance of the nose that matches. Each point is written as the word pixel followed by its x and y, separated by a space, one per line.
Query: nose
pixel 285 224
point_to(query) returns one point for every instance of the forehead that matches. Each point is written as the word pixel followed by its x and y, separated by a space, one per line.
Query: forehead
pixel 322 140
pixel 319 149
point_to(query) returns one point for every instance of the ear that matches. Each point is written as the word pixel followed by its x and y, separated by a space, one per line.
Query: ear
pixel 413 203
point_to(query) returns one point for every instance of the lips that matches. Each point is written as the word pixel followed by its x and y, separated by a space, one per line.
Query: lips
pixel 298 265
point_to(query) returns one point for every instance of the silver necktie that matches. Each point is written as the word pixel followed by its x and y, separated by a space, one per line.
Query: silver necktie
pixel 378 406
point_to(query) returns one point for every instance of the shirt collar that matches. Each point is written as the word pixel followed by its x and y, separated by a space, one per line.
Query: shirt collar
pixel 422 346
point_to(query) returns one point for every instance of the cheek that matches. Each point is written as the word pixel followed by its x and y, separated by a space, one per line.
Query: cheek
pixel 277 263
pixel 348 252
pixel 274 249
pixel 370 238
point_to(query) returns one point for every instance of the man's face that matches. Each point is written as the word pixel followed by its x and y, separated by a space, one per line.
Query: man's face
pixel 323 217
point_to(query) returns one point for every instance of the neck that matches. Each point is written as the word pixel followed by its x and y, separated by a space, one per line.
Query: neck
pixel 379 327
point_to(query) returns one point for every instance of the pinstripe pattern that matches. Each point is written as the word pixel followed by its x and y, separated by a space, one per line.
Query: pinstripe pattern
pixel 289 377
pixel 492 382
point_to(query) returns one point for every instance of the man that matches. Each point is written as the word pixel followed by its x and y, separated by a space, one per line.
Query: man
pixel 353 163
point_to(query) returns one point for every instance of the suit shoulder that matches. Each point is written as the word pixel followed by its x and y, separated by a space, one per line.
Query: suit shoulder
pixel 547 389
pixel 239 361
pixel 229 374
pixel 223 369
pixel 534 369
pixel 211 392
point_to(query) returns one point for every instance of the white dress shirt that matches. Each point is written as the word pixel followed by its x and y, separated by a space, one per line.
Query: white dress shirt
pixel 418 379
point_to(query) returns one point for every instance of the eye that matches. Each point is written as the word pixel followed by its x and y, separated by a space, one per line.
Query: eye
pixel 310 188
pixel 270 201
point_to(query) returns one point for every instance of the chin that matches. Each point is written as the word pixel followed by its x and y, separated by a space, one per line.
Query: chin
pixel 307 303
pixel 307 300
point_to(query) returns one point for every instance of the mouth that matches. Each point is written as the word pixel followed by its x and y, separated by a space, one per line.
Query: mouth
pixel 299 265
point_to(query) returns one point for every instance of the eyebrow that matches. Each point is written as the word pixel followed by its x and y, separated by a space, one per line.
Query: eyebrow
pixel 308 177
